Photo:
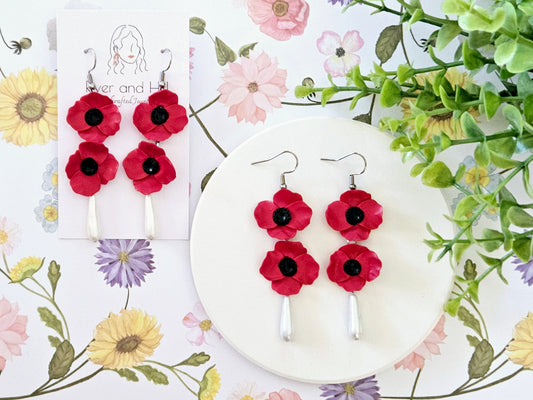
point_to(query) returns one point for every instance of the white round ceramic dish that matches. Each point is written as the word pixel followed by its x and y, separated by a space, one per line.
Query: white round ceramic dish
pixel 398 310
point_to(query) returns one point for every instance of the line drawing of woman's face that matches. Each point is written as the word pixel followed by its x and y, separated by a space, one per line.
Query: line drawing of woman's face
pixel 130 50
pixel 126 51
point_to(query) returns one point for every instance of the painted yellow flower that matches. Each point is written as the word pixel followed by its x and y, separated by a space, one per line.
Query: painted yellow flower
pixel 210 384
pixel 521 347
pixel 25 268
pixel 479 175
pixel 442 122
pixel 28 107
pixel 124 340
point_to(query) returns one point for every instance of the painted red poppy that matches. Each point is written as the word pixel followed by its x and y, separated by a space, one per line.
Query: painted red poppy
pixel 149 168
pixel 95 117
pixel 161 117
pixel 352 266
pixel 90 167
pixel 355 214
pixel 283 216
pixel 289 267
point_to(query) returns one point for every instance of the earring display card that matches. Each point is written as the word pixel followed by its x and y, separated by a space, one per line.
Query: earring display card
pixel 128 48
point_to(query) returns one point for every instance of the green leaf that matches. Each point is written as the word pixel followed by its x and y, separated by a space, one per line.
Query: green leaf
pixel 526 7
pixel 517 216
pixel 458 251
pixel 437 175
pixel 523 57
pixel 510 22
pixel 481 360
pixel 455 7
pixel 391 93
pixel 469 270
pixel 492 239
pixel 50 320
pixel 522 248
pixel 404 73
pixel 465 207
pixel 528 108
pixel 472 340
pixel 356 99
pixel 482 20
pixel 354 76
pixel 470 126
pixel 399 143
pixel 471 57
pixel 445 141
pixel 327 94
pixel 417 169
pixel 224 53
pixel 61 360
pixel 490 261
pixel 473 288
pixel 452 306
pixel 446 101
pixel 206 178
pixel 54 341
pixel 482 154
pixel 303 91
pixel 505 147
pixel 447 33
pixel 388 42
pixel 513 115
pixel 491 102
pixel 196 359
pixel 526 182
pixel 425 100
pixel 53 275
pixel 152 374
pixel 128 374
pixel 204 383
pixel 417 15
pixel 468 320
pixel 502 162
pixel 244 51
pixel 477 39
pixel 196 25
pixel 525 85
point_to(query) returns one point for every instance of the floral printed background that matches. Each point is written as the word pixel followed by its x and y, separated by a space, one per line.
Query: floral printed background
pixel 122 316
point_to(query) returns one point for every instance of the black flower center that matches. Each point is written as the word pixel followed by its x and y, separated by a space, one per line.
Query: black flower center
pixel 281 216
pixel 159 115
pixel 88 166
pixel 354 215
pixel 151 166
pixel 352 267
pixel 94 117
pixel 340 52
pixel 287 266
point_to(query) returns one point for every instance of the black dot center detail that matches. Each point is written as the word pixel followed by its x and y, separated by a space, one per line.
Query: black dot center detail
pixel 352 267
pixel 282 216
pixel 151 166
pixel 94 117
pixel 287 266
pixel 354 215
pixel 159 115
pixel 340 52
pixel 88 166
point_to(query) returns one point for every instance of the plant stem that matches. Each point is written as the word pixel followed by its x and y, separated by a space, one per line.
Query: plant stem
pixel 316 103
pixel 173 371
pixel 415 383
pixel 204 107
pixel 68 375
pixel 488 375
pixel 2 72
pixel 220 149
pixel 188 375
pixel 4 40
pixel 5 259
pixel 473 304
pixel 402 42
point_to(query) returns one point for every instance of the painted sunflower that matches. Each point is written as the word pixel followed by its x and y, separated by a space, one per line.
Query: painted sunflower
pixel 442 122
pixel 28 107
pixel 124 340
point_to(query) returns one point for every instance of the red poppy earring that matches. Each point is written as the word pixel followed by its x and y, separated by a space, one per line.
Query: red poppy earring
pixel 288 266
pixel 95 117
pixel 354 216
pixel 148 166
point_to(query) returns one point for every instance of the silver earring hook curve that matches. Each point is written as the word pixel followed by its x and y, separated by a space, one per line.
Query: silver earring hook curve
pixel 283 184
pixel 162 74
pixel 352 176
pixel 90 81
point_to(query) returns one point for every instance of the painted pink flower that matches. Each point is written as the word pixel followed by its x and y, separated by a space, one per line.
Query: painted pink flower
pixel 9 236
pixel 12 331
pixel 341 53
pixel 279 19
pixel 202 329
pixel 423 352
pixel 191 65
pixel 284 394
pixel 253 87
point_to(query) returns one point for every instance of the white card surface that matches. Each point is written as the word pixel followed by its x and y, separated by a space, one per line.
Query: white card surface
pixel 128 48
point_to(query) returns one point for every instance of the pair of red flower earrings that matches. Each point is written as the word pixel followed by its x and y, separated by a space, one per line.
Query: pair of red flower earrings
pixel 289 266
pixel 95 117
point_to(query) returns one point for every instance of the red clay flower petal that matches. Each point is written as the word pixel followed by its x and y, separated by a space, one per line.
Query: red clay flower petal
pixel 307 269
pixel 354 197
pixel 147 185
pixel 356 232
pixel 336 216
pixel 85 185
pixel 290 249
pixel 284 197
pixel 282 232
pixel 269 268
pixel 163 98
pixel 263 214
pixel 373 214
pixel 301 215
pixel 167 173
pixel 287 286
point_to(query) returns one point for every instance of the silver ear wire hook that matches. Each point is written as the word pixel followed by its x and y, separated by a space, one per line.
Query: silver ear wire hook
pixel 352 176
pixel 162 74
pixel 90 81
pixel 283 184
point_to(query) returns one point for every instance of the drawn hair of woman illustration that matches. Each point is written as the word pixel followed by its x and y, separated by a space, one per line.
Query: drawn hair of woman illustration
pixel 126 48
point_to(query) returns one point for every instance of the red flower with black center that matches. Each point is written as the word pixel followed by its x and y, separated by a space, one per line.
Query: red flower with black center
pixel 90 167
pixel 283 216
pixel 95 117
pixel 161 116
pixel 149 168
pixel 352 266
pixel 289 267
pixel 355 214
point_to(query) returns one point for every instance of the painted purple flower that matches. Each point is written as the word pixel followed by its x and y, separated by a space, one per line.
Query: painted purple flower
pixel 362 389
pixel 526 268
pixel 125 261
pixel 343 2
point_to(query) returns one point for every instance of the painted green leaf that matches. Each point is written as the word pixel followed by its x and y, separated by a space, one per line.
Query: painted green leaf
pixel 204 383
pixel 522 248
pixel 470 126
pixel 206 178
pixel 388 42
pixel 152 374
pixel 472 289
pixel 128 374
pixel 482 20
pixel 447 33
pixel 53 275
pixel 469 270
pixel 481 360
pixel 196 25
pixel 482 154
pixel 391 93
pixel 492 239
pixel 455 7
pixel 61 360
pixel 452 306
pixel 513 115
pixel 196 359
pixel 364 118
pixel 517 216
pixel 472 340
pixel 54 341
pixel 244 51
pixel 468 320
pixel 50 320
pixel 437 175
pixel 224 53
pixel 491 102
